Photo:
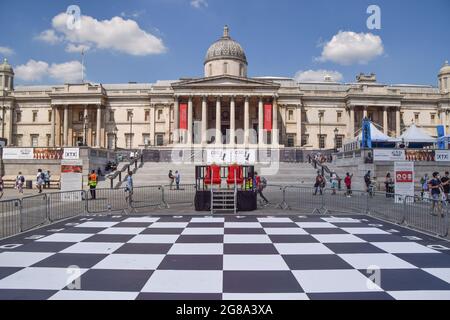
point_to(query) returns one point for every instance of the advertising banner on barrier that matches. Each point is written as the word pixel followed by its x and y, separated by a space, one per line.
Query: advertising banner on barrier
pixel 71 179
pixel 229 156
pixel 404 180
pixel 389 155
pixel 442 155
pixel 18 154
pixel 71 154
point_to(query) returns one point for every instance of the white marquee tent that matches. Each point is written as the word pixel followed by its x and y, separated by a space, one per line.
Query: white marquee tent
pixel 416 135
pixel 376 135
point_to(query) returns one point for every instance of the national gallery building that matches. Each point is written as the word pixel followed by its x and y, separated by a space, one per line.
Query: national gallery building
pixel 225 107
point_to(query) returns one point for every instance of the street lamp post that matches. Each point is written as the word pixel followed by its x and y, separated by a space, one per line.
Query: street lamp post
pixel 131 130
pixel 115 138
pixel 85 130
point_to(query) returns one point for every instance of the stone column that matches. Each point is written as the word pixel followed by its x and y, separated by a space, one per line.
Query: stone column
pixel 53 126
pixel 385 121
pixel 152 124
pixel 351 127
pixel 299 125
pixel 99 126
pixel 85 124
pixel 189 124
pixel 275 122
pixel 260 121
pixel 204 119
pixel 66 125
pixel 232 119
pixel 444 120
pixel 364 112
pixel 218 122
pixel 397 122
pixel 246 120
pixel 176 120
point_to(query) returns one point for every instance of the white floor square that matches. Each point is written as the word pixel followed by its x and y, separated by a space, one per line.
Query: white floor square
pixel 265 296
pixel 403 247
pixel 441 273
pixel 337 238
pixel 365 231
pixel 96 224
pixel 175 225
pixel 316 281
pixel 40 278
pixel 376 260
pixel 154 238
pixel 420 295
pixel 22 259
pixel 66 237
pixel 246 238
pixel 122 231
pixel 275 220
pixel 341 220
pixel 242 225
pixel 208 219
pixel 302 248
pixel 142 219
pixel 315 225
pixel 199 231
pixel 274 231
pixel 130 262
pixel 196 248
pixel 93 247
pixel 183 281
pixel 254 262
pixel 93 295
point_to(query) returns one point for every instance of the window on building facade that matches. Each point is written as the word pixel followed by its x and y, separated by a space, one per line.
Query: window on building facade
pixel 48 137
pixel 339 139
pixel 49 115
pixel 322 140
pixel 146 139
pixel 18 116
pixel 18 140
pixel 433 118
pixel 128 140
pixel 339 117
pixel 159 139
pixel 35 115
pixel 290 140
pixel 241 70
pixel 34 138
pixel 147 115
pixel 129 115
pixel 305 139
pixel 304 117
pixel 290 115
pixel 111 116
pixel 225 67
pixel 160 114
pixel 416 117
pixel 210 69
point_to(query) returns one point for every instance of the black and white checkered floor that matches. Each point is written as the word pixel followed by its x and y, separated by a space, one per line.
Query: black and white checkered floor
pixel 232 257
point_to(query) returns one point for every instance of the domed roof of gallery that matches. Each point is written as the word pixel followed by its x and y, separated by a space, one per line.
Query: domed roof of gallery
pixel 225 48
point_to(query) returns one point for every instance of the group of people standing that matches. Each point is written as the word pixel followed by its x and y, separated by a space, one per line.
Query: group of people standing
pixel 42 181
pixel 174 178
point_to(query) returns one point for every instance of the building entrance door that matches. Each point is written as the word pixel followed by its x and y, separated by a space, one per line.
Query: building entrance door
pixel 225 133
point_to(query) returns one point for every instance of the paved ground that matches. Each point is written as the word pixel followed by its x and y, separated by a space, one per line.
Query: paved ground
pixel 224 257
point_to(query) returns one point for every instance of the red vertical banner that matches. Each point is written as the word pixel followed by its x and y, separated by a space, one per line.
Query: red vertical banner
pixel 183 116
pixel 268 116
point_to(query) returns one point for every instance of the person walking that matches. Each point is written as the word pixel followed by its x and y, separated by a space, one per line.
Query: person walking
pixel 20 182
pixel 446 184
pixel 177 179
pixel 47 180
pixel 435 186
pixel 334 182
pixel 129 187
pixel 319 184
pixel 261 184
pixel 40 178
pixel 92 183
pixel 388 184
pixel 367 180
pixel 424 187
pixel 2 185
pixel 348 184
pixel 171 179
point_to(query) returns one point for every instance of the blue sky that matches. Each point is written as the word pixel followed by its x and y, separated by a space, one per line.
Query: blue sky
pixel 280 38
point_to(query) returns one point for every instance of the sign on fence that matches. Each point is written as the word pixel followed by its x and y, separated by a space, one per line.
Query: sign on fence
pixel 404 180
pixel 388 154
pixel 71 178
pixel 228 156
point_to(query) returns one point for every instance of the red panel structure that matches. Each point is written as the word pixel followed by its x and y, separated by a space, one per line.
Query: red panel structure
pixel 268 116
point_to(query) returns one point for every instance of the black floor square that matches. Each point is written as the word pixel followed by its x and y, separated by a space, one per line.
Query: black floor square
pixel 114 280
pixel 65 260
pixel 315 262
pixel 251 248
pixel 260 282
pixel 192 262
pixel 144 248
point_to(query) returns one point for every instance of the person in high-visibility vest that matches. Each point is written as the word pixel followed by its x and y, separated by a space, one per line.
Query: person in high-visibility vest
pixel 92 183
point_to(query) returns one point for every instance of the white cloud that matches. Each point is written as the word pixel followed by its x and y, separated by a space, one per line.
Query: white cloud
pixel 199 3
pixel 49 36
pixel 317 75
pixel 73 48
pixel 116 34
pixel 348 48
pixel 6 51
pixel 34 71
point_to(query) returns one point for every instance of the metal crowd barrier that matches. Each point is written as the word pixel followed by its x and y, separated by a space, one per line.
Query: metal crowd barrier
pixel 431 216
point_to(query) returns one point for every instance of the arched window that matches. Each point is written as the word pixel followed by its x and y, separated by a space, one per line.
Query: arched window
pixel 210 69
pixel 225 67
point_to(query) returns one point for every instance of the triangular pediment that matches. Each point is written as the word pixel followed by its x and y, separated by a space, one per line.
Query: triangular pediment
pixel 224 81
